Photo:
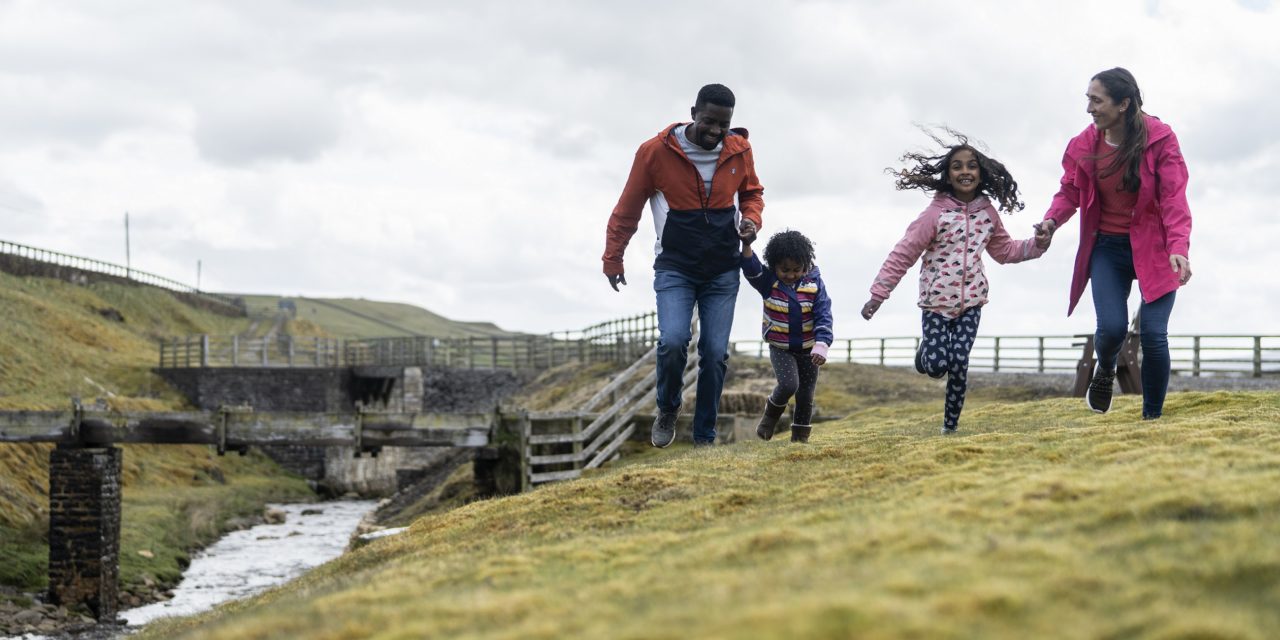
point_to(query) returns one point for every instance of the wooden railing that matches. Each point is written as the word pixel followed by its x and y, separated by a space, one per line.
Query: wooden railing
pixel 561 445
pixel 234 351
pixel 618 341
pixel 115 270
pixel 1192 355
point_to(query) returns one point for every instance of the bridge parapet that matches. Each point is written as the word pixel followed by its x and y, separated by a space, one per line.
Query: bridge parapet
pixel 236 429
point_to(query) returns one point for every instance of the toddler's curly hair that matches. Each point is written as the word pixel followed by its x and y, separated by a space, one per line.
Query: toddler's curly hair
pixel 789 244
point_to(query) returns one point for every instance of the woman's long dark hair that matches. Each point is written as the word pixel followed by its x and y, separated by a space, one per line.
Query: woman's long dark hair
pixel 1121 84
pixel 930 171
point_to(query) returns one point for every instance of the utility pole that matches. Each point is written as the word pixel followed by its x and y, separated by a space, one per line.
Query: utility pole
pixel 128 261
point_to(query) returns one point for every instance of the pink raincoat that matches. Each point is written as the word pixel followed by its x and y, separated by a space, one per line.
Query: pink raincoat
pixel 1161 224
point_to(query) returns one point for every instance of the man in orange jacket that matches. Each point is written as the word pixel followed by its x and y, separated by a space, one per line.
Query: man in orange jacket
pixel 690 174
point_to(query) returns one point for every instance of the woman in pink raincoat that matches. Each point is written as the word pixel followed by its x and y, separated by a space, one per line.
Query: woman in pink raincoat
pixel 1126 176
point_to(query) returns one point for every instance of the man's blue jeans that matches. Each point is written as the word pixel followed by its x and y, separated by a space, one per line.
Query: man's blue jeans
pixel 715 298
pixel 1111 274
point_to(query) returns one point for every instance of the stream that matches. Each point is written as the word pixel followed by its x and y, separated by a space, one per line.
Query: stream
pixel 243 563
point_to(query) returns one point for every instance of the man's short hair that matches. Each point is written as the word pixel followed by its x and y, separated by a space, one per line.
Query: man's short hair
pixel 716 94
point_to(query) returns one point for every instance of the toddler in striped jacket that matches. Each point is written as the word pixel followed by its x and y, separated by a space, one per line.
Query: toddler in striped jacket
pixel 797 324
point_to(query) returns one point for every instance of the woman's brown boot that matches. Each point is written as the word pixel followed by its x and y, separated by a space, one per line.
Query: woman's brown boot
pixel 769 421
pixel 800 432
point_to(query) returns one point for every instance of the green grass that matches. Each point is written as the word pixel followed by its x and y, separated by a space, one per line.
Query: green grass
pixel 56 344
pixel 360 318
pixel 1039 520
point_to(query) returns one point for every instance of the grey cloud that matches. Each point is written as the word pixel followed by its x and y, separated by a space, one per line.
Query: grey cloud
pixel 267 119
pixel 13 199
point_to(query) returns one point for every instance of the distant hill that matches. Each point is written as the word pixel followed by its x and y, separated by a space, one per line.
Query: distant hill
pixel 360 318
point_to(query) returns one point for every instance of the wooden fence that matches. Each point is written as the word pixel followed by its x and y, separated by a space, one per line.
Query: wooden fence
pixel 114 270
pixel 1192 355
pixel 234 351
pixel 619 341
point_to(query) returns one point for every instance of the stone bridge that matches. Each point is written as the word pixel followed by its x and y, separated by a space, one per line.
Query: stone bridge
pixel 85 466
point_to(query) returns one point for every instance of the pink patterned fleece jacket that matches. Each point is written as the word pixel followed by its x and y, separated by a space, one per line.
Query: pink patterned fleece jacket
pixel 951 235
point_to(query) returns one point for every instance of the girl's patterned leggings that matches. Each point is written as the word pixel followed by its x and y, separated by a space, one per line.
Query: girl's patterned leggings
pixel 947 342
pixel 797 376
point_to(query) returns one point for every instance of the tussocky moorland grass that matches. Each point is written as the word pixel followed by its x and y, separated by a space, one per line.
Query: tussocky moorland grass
pixel 1038 520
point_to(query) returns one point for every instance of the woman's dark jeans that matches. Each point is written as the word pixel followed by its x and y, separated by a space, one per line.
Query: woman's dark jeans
pixel 1111 273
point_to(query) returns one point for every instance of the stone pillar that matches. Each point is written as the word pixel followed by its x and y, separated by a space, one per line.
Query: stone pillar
pixel 502 467
pixel 84 528
pixel 412 390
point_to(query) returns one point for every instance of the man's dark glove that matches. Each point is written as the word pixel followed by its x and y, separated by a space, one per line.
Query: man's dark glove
pixel 614 281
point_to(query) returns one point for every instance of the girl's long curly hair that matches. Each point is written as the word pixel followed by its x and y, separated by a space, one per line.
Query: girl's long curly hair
pixel 930 171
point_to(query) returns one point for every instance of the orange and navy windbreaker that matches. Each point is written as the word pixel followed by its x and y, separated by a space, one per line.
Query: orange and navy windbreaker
pixel 697 231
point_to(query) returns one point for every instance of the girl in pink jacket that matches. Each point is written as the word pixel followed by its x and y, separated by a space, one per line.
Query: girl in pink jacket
pixel 952 233
pixel 1126 175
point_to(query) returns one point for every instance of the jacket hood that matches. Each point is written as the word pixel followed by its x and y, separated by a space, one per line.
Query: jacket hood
pixel 1083 143
pixel 734 141
pixel 944 200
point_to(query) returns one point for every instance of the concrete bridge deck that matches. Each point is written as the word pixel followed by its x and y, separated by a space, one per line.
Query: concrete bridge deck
pixel 234 429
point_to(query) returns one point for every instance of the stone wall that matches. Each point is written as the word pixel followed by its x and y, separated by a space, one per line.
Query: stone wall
pixel 467 390
pixel 265 389
pixel 84 528
pixel 307 462
pixel 374 476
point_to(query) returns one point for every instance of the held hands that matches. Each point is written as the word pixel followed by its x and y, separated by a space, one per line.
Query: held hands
pixel 747 232
pixel 614 281
pixel 818 359
pixel 1044 233
pixel 1181 266
pixel 870 308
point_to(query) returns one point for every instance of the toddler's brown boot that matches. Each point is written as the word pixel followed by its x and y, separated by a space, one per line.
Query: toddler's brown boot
pixel 800 432
pixel 769 421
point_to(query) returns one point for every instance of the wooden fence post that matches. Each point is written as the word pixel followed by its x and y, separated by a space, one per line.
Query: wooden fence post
pixel 1040 358
pixel 1257 356
pixel 577 443
pixel 1195 356
pixel 235 350
pixel 204 350
pixel 995 363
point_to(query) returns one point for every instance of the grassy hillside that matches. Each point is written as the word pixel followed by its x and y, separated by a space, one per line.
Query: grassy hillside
pixel 100 341
pixel 61 340
pixel 360 318
pixel 1039 520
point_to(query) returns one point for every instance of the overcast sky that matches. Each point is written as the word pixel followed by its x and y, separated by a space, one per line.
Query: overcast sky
pixel 465 156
